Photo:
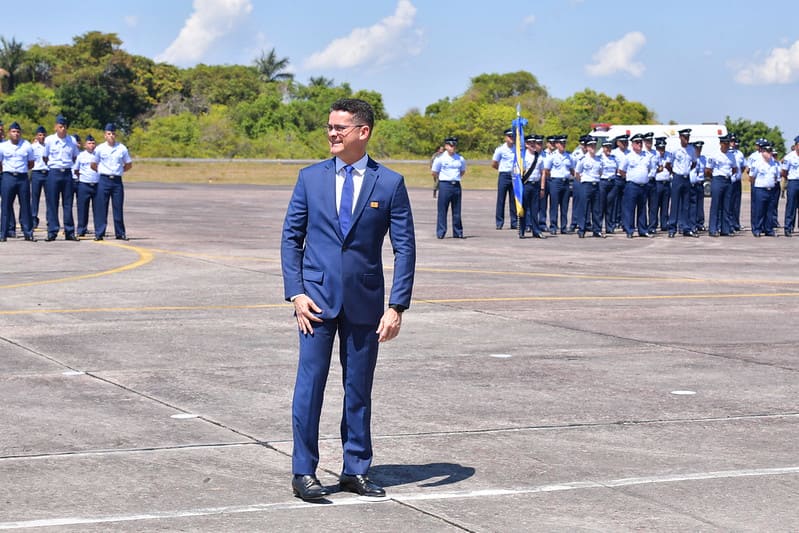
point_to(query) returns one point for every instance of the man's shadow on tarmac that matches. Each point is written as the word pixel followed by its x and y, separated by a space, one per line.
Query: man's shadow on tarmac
pixel 391 475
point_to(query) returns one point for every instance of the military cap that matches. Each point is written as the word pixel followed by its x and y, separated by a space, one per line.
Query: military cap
pixel 451 140
pixel 14 126
pixel 724 138
pixel 637 137
pixel 552 138
pixel 538 138
pixel 698 144
pixel 110 127
pixel 761 142
pixel 796 139
pixel 41 129
pixel 649 135
pixel 589 139
pixel 60 119
pixel 660 142
pixel 767 147
pixel 686 132
pixel 529 138
pixel 622 138
pixel 89 137
pixel 607 142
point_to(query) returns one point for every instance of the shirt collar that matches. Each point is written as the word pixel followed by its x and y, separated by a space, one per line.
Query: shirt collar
pixel 359 165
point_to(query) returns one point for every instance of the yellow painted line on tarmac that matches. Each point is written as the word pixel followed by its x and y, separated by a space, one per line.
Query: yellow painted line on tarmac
pixel 605 277
pixel 145 256
pixel 140 309
pixel 209 256
pixel 612 298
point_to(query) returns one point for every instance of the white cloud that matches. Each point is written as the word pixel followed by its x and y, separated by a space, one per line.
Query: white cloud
pixel 780 67
pixel 529 20
pixel 392 37
pixel 618 56
pixel 211 20
pixel 131 21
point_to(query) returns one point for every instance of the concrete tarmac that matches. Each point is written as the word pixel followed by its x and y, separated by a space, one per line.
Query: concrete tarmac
pixel 537 385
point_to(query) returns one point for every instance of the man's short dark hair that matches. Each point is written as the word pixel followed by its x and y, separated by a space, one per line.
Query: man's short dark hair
pixel 362 112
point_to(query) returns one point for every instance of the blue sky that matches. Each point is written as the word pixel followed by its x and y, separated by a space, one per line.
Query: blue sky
pixel 689 61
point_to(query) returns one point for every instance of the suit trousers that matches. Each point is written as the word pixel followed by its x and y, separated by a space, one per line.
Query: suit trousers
pixel 505 192
pixel 59 191
pixel 109 189
pixel 358 356
pixel 15 185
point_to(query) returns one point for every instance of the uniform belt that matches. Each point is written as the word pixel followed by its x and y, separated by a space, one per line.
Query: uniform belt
pixel 440 181
pixel 722 177
pixel 110 176
pixel 764 188
pixel 680 175
pixel 558 178
pixel 62 170
pixel 16 174
pixel 88 182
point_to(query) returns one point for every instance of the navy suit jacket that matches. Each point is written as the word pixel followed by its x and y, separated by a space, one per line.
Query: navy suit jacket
pixel 345 272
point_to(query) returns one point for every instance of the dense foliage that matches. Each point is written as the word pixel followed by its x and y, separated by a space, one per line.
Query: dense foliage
pixel 261 111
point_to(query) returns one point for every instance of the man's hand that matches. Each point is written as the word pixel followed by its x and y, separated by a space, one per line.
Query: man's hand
pixel 389 325
pixel 305 308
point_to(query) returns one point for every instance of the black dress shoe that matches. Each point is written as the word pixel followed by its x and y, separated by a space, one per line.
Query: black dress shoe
pixel 50 238
pixel 30 238
pixel 71 238
pixel 2 239
pixel 308 488
pixel 362 485
pixel 125 238
pixel 98 238
pixel 690 234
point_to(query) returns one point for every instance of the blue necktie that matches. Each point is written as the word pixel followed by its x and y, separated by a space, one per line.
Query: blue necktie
pixel 345 206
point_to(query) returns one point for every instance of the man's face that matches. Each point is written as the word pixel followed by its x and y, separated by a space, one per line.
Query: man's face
pixel 637 146
pixel 450 148
pixel 14 134
pixel 61 130
pixel 111 137
pixel 509 140
pixel 347 139
pixel 684 140
pixel 560 146
pixel 590 149
pixel 40 137
pixel 90 146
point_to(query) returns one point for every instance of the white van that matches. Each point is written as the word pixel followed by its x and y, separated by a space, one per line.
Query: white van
pixel 709 133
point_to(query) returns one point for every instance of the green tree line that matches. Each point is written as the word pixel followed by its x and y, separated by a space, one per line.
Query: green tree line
pixel 261 111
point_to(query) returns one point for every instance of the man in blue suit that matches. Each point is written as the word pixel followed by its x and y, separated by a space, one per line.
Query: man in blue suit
pixel 331 256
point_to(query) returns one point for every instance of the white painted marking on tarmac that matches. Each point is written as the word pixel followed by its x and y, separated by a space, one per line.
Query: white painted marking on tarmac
pixel 184 416
pixel 73 373
pixel 406 497
pixel 683 392
pixel 501 355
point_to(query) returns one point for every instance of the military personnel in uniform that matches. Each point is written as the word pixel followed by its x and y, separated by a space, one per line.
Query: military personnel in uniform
pixel 87 184
pixel 684 161
pixel 587 206
pixel 764 175
pixel 696 202
pixel 616 192
pixel 635 171
pixel 38 174
pixel 448 170
pixel 558 170
pixel 737 192
pixel 661 195
pixel 16 159
pixel 790 171
pixel 720 169
pixel 610 168
pixel 111 161
pixel 503 162
pixel 60 152
pixel 534 186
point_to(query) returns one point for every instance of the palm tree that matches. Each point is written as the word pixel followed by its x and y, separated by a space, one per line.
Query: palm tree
pixel 320 81
pixel 12 56
pixel 272 69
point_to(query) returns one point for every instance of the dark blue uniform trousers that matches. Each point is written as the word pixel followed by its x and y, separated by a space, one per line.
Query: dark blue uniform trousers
pixel 558 200
pixel 659 198
pixel 87 194
pixel 634 202
pixel 15 185
pixel 531 199
pixel 358 355
pixel 109 189
pixel 791 205
pixel 449 196
pixel 58 191
pixel 38 183
pixel 613 206
pixel 763 201
pixel 587 208
pixel 720 205
pixel 505 191
pixel 680 205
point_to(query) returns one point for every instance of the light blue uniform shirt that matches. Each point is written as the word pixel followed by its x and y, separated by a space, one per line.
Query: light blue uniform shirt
pixel 84 167
pixel 60 153
pixel 111 160
pixel 739 162
pixel 610 166
pixel 620 155
pixel 697 174
pixel 637 167
pixel 529 157
pixel 504 155
pixel 722 164
pixel 15 157
pixel 683 157
pixel 765 174
pixel 559 164
pixel 653 166
pixel 791 164
pixel 660 162
pixel 38 151
pixel 589 168
pixel 449 167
